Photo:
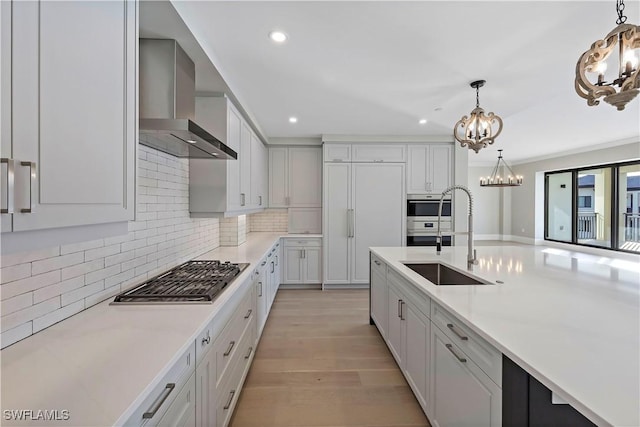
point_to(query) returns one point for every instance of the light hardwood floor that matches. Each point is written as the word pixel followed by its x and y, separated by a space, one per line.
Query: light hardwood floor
pixel 320 363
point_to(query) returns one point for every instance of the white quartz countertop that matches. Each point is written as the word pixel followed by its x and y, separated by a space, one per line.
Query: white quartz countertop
pixel 100 363
pixel 572 320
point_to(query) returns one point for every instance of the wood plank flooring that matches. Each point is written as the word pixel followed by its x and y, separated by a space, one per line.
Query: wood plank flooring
pixel 320 363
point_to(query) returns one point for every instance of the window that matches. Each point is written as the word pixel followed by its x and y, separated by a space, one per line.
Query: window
pixel 595 206
pixel 584 201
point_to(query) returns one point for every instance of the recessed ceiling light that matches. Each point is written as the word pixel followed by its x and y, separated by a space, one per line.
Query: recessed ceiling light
pixel 423 121
pixel 191 141
pixel 293 120
pixel 278 36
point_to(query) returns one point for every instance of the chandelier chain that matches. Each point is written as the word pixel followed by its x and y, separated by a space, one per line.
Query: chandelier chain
pixel 477 96
pixel 620 9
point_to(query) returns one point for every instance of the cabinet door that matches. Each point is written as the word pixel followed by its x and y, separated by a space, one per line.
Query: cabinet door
pixel 462 395
pixel 5 107
pixel 336 217
pixel 312 265
pixel 292 265
pixel 234 126
pixel 206 390
pixel 416 352
pixel 257 172
pixel 394 324
pixel 278 177
pixel 378 212
pixel 74 118
pixel 417 181
pixel 305 177
pixel 439 167
pixel 261 304
pixel 182 412
pixel 379 301
pixel 244 156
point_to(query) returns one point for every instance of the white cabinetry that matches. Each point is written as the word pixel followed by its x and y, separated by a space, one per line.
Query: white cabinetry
pixel 302 261
pixel 295 177
pixel 429 168
pixel 225 187
pixel 363 206
pixel 454 373
pixel 182 412
pixel 69 124
pixel 259 173
pixel 463 395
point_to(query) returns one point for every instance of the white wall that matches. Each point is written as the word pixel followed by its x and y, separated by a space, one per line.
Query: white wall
pixel 560 206
pixel 488 206
pixel 40 288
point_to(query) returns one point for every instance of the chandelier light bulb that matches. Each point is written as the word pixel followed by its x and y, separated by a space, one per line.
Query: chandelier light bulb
pixel 630 57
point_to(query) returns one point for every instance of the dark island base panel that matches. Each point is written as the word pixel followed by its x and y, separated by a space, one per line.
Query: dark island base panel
pixel 526 402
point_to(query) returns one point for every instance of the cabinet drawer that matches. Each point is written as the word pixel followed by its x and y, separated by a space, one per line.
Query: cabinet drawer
pixel 419 300
pixel 378 153
pixel 227 343
pixel 156 403
pixel 476 348
pixel 337 152
pixel 229 390
pixel 301 243
pixel 378 265
pixel 182 411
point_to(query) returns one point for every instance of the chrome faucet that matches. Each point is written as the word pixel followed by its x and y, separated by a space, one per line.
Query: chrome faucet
pixel 471 253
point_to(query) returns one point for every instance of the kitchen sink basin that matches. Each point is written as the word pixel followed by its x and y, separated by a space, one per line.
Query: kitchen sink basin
pixel 440 274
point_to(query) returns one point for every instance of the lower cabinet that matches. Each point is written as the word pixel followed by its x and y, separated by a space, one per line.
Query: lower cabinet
pixel 463 395
pixel 302 261
pixel 454 374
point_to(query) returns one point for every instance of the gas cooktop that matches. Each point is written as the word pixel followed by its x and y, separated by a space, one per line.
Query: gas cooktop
pixel 191 282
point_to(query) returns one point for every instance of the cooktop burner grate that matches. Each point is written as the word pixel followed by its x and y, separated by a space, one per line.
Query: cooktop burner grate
pixel 193 281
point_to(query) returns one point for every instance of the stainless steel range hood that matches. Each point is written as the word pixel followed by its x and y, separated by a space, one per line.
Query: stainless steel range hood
pixel 167 104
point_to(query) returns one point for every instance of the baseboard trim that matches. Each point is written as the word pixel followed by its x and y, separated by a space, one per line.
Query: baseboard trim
pixel 518 239
pixel 345 286
pixel 301 286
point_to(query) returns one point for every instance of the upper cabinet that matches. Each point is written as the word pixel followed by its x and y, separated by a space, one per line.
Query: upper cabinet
pixel 295 177
pixel 69 113
pixel 227 187
pixel 429 168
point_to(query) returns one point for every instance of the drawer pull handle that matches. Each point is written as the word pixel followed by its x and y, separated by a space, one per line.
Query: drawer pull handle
pixel 402 303
pixel 400 308
pixel 32 186
pixel 263 263
pixel 377 262
pixel 228 404
pixel 260 291
pixel 453 328
pixel 159 401
pixel 246 316
pixel 228 352
pixel 249 353
pixel 460 359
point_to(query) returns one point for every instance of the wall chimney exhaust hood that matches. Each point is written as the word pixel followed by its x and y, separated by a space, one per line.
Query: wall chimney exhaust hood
pixel 167 104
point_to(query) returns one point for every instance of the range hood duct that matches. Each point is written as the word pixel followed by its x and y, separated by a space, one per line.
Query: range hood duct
pixel 167 104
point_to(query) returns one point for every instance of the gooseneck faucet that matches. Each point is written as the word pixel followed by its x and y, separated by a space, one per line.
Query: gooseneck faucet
pixel 471 253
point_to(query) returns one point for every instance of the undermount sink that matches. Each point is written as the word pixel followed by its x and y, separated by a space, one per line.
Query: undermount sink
pixel 440 274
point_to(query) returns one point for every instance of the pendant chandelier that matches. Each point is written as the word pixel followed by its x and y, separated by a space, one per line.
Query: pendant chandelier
pixel 478 129
pixel 610 68
pixel 501 176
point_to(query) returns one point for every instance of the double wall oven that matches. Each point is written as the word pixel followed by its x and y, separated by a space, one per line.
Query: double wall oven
pixel 422 220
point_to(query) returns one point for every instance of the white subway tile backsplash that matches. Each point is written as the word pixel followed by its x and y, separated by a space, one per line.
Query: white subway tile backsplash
pixel 16 334
pixel 16 303
pixel 24 257
pixel 29 284
pixel 56 263
pixel 80 269
pixel 15 319
pixel 60 288
pixel 15 272
pixel 54 317
pixel 276 220
pixel 41 288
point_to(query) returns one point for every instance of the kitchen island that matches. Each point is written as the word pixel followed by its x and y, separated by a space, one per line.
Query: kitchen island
pixel 571 320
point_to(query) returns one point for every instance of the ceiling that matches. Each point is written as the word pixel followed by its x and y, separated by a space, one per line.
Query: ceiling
pixel 376 68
